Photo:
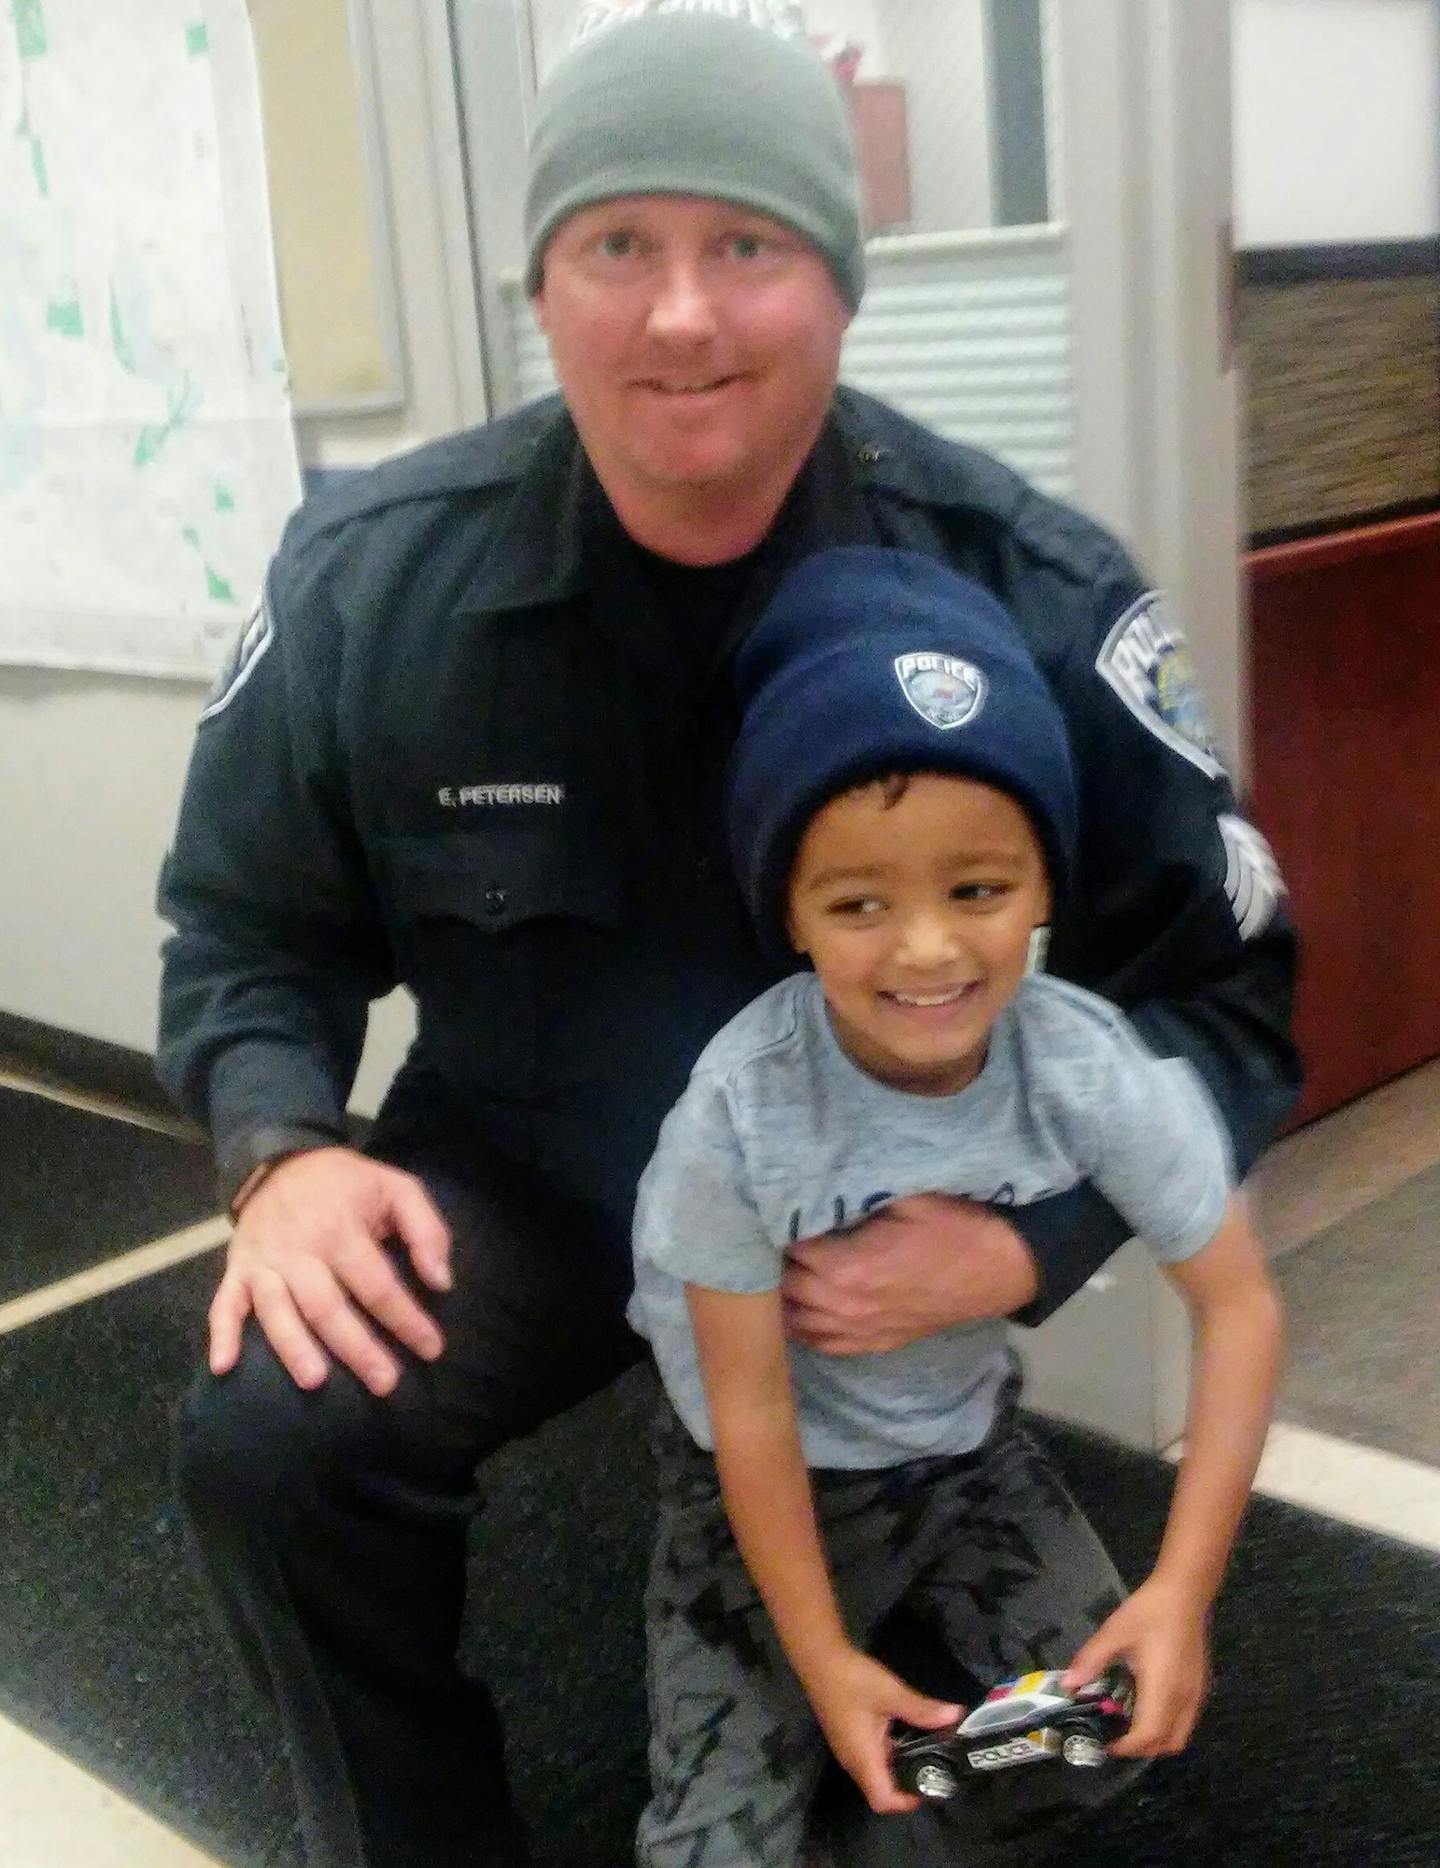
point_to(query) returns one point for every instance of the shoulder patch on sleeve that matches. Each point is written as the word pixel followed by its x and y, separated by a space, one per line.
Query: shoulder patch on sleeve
pixel 250 646
pixel 1146 662
pixel 1253 883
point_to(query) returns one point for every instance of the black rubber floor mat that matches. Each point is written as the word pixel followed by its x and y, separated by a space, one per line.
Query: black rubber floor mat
pixel 76 1188
pixel 1315 1750
pixel 106 1647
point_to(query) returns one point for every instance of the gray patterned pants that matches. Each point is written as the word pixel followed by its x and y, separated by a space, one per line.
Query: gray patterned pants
pixel 987 1549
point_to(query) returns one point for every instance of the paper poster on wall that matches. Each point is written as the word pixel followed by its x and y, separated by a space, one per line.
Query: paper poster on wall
pixel 147 456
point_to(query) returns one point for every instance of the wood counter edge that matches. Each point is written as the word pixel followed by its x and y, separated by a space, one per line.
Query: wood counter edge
pixel 1363 541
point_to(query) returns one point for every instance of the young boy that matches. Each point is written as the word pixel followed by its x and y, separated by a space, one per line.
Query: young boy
pixel 902 811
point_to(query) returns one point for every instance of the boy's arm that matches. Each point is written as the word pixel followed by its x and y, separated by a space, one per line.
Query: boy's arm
pixel 1238 1328
pixel 763 1478
pixel 768 1498
pixel 1162 1630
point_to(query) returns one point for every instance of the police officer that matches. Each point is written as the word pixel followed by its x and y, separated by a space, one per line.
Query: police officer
pixel 471 743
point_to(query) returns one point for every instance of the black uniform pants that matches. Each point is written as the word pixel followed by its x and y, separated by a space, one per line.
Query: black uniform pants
pixel 332 1528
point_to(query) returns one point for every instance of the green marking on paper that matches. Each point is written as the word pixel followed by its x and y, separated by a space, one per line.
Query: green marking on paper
pixel 119 336
pixel 65 317
pixel 197 40
pixel 216 586
pixel 224 499
pixel 30 28
pixel 30 41
pixel 179 402
pixel 180 397
pixel 25 133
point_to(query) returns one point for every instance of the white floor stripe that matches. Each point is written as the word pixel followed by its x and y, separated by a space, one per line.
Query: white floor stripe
pixel 57 1816
pixel 99 1106
pixel 112 1273
pixel 1359 1485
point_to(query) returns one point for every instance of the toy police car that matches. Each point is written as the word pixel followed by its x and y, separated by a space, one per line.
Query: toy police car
pixel 1021 1721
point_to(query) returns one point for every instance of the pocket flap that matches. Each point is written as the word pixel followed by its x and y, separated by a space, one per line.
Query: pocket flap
pixel 497 881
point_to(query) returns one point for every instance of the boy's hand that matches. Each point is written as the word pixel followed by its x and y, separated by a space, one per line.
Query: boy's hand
pixel 855 1699
pixel 1162 1635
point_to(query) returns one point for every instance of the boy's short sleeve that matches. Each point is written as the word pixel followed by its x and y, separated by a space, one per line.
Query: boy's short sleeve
pixel 695 1214
pixel 1160 1153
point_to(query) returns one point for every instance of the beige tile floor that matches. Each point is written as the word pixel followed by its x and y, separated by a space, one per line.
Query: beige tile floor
pixel 1326 1172
pixel 56 1816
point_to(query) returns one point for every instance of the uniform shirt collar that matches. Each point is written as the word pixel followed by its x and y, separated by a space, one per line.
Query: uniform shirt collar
pixel 535 556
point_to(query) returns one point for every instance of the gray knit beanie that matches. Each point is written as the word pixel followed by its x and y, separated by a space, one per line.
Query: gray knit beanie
pixel 697 104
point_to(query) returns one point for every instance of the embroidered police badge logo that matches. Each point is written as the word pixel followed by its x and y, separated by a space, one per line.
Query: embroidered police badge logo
pixel 1145 660
pixel 941 688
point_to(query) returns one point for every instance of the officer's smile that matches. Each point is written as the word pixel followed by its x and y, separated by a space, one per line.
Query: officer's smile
pixel 700 388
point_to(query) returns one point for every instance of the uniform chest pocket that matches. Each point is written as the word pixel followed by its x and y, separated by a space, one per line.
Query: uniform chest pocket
pixel 492 929
pixel 499 881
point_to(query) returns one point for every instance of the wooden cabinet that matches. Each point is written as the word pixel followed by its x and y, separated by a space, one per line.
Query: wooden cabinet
pixel 1345 713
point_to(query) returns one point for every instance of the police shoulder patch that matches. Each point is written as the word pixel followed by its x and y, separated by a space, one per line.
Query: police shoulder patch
pixel 941 688
pixel 1145 660
pixel 250 646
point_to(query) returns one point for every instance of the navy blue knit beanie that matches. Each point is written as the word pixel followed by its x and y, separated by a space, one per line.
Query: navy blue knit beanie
pixel 867 662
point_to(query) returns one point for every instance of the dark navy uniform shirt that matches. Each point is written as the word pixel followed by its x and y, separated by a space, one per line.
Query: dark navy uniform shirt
pixel 467 744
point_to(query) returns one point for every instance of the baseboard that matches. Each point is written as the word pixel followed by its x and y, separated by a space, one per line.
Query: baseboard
pixel 92 1067
pixel 68 1060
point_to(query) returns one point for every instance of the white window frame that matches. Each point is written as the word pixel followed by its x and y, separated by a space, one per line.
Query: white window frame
pixel 391 395
pixel 404 53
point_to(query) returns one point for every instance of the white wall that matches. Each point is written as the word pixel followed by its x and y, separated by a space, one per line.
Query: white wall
pixel 861 21
pixel 938 48
pixel 90 773
pixel 90 769
pixel 1337 120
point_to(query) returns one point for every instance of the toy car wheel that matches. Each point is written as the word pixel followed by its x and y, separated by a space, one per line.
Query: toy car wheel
pixel 935 1780
pixel 1083 1749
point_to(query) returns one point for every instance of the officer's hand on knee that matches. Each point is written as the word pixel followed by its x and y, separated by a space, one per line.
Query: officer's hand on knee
pixel 307 1258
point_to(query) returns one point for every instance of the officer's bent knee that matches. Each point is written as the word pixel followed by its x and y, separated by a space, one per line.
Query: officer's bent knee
pixel 248 1440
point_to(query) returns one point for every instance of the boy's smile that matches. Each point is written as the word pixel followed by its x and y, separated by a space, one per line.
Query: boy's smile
pixel 916 914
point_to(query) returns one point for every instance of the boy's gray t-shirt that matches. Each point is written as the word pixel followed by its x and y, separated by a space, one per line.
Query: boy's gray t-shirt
pixel 779 1136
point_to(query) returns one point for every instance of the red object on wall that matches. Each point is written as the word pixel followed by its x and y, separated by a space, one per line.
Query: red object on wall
pixel 1345 716
pixel 882 147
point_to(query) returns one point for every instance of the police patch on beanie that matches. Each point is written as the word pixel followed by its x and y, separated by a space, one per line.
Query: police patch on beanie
pixel 942 689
